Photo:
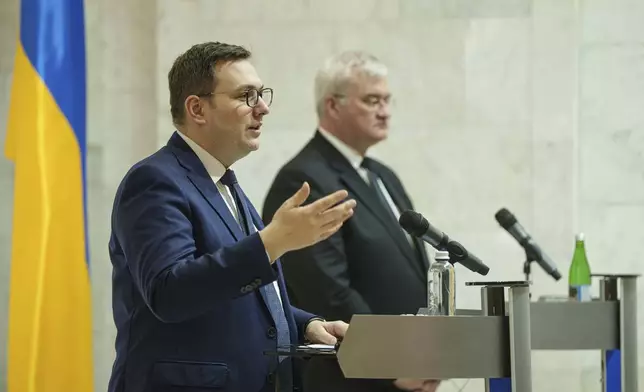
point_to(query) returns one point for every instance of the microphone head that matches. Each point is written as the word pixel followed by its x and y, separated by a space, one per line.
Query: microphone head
pixel 505 218
pixel 413 223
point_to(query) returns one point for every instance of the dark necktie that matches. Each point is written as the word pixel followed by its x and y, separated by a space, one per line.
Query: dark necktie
pixel 269 293
pixel 368 164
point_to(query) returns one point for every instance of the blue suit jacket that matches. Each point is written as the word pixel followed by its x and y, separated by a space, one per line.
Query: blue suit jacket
pixel 185 278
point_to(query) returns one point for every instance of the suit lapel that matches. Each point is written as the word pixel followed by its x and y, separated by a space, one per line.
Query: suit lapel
pixel 402 204
pixel 367 197
pixel 198 175
pixel 210 192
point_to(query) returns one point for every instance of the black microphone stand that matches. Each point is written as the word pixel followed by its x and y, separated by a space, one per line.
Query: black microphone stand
pixel 526 269
pixel 530 257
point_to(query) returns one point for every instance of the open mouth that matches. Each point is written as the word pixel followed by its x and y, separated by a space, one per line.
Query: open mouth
pixel 255 127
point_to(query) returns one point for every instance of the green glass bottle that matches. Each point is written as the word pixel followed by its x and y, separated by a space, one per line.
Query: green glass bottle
pixel 579 273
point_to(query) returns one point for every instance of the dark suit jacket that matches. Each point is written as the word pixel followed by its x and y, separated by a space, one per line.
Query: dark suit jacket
pixel 369 266
pixel 185 278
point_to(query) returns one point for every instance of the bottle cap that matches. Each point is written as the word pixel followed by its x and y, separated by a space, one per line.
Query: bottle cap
pixel 579 237
pixel 441 255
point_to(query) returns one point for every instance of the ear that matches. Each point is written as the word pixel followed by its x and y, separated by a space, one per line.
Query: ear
pixel 194 109
pixel 332 107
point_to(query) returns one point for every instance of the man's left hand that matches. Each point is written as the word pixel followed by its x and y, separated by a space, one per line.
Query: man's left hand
pixel 325 332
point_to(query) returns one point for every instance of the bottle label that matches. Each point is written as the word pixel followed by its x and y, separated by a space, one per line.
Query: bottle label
pixel 580 293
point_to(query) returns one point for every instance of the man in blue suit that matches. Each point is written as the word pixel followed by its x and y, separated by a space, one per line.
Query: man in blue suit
pixel 198 292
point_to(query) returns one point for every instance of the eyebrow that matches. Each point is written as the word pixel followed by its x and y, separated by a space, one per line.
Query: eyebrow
pixel 244 87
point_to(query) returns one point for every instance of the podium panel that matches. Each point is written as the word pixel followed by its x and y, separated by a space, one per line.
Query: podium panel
pixel 547 318
pixel 429 347
pixel 575 325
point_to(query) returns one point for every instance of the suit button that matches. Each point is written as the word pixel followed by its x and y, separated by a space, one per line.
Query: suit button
pixel 270 378
pixel 272 332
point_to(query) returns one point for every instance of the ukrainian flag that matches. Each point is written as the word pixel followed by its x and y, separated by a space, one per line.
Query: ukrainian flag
pixel 50 331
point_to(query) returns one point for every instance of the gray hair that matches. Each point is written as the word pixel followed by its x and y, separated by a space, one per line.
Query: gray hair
pixel 338 70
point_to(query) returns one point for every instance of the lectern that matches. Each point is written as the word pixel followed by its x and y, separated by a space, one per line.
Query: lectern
pixel 490 344
pixel 495 342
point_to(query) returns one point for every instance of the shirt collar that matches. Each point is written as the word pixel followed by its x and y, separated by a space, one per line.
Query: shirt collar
pixel 214 168
pixel 354 158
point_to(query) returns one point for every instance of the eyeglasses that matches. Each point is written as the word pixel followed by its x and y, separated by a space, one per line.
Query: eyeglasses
pixel 375 100
pixel 372 101
pixel 251 95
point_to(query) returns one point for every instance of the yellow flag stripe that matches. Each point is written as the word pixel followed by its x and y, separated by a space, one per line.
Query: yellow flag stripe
pixel 50 331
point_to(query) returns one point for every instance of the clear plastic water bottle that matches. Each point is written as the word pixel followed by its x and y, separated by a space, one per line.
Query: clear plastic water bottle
pixel 441 286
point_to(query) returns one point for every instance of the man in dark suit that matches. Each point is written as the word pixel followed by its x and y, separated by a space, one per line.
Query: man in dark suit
pixel 198 292
pixel 370 266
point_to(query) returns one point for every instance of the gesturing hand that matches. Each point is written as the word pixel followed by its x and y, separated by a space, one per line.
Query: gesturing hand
pixel 295 226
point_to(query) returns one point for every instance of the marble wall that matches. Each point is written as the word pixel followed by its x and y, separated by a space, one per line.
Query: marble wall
pixel 533 105
pixel 8 12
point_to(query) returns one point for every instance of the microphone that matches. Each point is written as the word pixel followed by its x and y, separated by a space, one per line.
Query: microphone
pixel 533 252
pixel 417 226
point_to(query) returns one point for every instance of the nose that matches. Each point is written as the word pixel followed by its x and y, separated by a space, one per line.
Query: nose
pixel 261 109
pixel 384 111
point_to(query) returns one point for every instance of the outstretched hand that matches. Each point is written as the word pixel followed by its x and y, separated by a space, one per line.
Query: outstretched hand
pixel 295 226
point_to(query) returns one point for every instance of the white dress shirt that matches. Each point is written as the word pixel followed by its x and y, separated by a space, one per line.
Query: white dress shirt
pixel 216 170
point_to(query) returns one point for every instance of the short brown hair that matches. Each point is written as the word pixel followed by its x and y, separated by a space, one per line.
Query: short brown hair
pixel 193 72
